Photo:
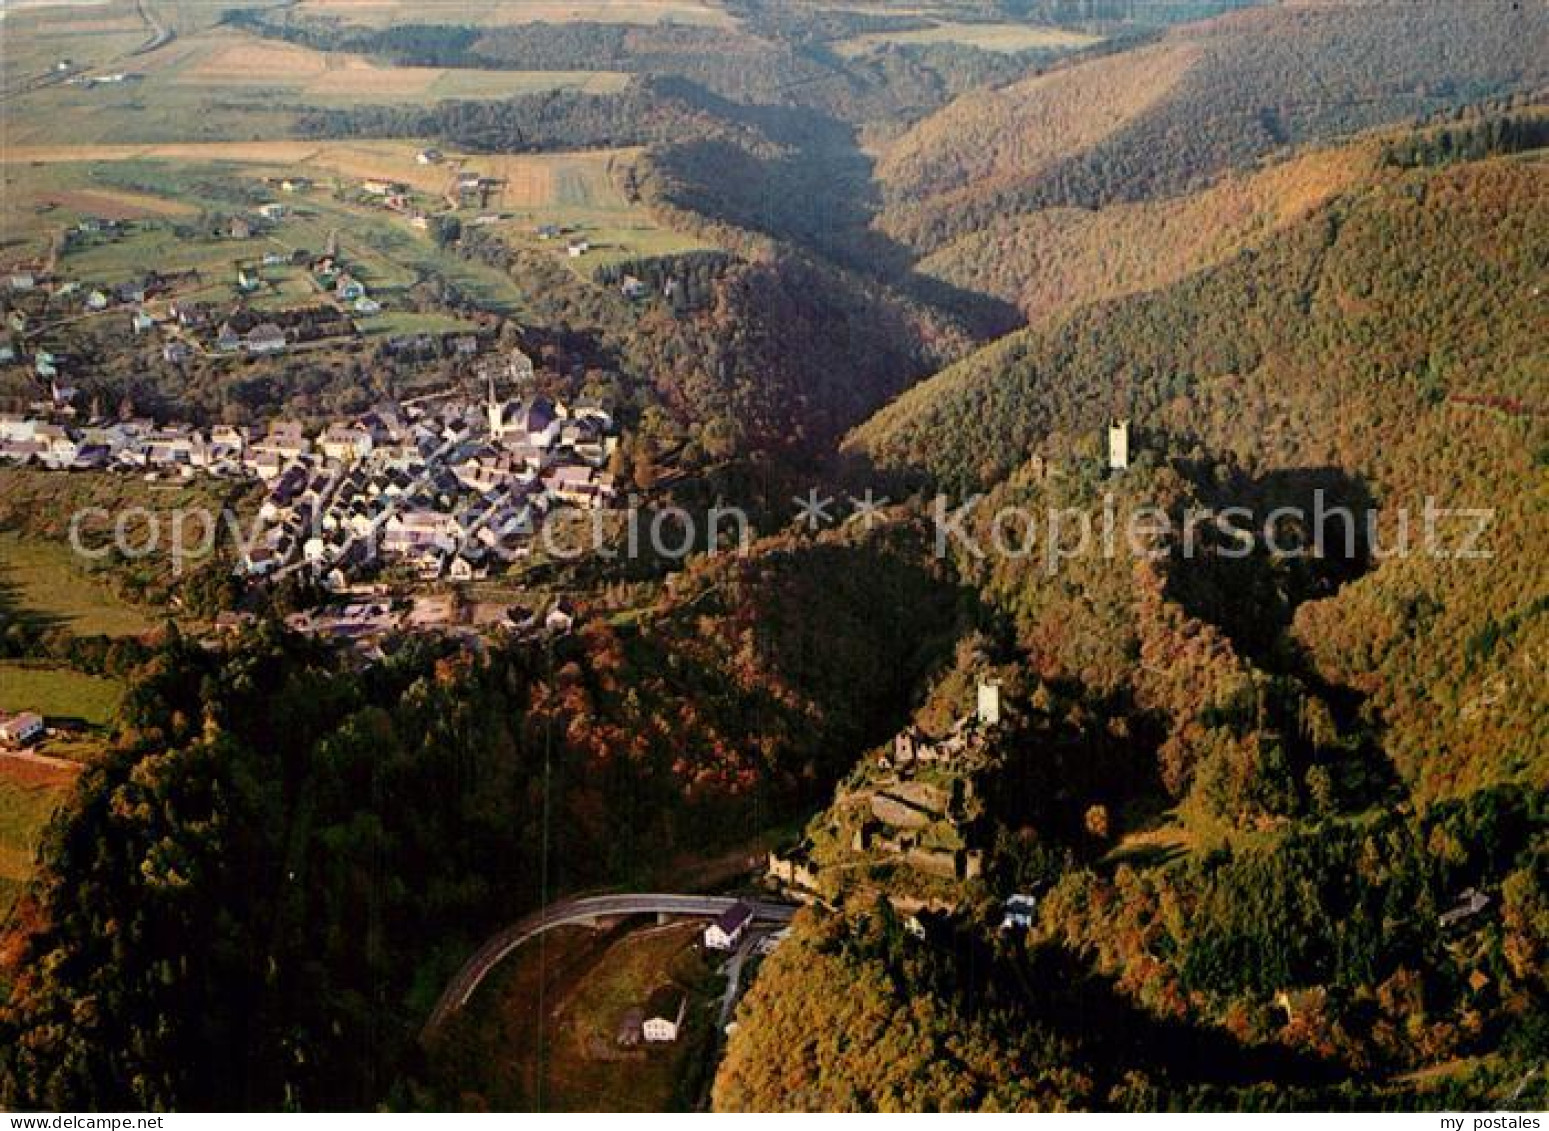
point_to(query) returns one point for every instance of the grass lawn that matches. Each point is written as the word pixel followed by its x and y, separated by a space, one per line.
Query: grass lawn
pixel 58 693
pixel 496 1055
pixel 42 581
pixel 29 794
pixel 583 1072
pixel 221 83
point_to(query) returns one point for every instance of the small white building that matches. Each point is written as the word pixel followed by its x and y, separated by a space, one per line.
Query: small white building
pixel 20 730
pixel 1019 912
pixel 664 1015
pixel 988 706
pixel 727 931
pixel 1118 445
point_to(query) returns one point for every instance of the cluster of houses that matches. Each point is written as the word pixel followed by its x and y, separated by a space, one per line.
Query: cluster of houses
pixel 448 488
pixel 445 490
pixel 267 332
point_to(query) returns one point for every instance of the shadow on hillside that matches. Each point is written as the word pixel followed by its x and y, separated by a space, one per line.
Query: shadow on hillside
pixel 819 192
pixel 1120 1035
pixel 16 617
pixel 1310 537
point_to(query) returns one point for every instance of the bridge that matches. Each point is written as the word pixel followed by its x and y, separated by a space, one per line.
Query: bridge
pixel 584 910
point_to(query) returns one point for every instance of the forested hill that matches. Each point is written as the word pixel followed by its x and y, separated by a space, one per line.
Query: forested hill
pixel 254 897
pixel 1396 338
pixel 1208 97
pixel 1247 794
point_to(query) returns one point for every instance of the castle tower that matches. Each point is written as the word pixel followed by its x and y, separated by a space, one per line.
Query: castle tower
pixel 1118 445
pixel 989 704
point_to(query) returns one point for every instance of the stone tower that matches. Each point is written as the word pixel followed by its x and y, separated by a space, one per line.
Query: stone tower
pixel 989 704
pixel 1118 445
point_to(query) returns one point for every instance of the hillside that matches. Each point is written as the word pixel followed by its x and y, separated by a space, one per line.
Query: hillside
pixel 362 829
pixel 1209 97
pixel 1366 347
pixel 1248 793
pixel 1059 259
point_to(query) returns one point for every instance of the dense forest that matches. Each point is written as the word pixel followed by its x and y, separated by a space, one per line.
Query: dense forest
pixel 1205 99
pixel 1346 744
pixel 775 68
pixel 1361 349
pixel 254 897
pixel 1303 974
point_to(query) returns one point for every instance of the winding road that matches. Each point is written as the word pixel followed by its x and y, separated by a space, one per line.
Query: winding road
pixel 585 909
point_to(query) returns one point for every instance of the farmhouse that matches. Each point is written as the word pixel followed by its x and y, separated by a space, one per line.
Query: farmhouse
pixel 664 1015
pixel 266 337
pixel 727 931
pixel 19 730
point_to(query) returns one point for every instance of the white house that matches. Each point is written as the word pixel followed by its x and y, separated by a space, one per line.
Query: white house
pixel 345 442
pixel 1019 912
pixel 664 1015
pixel 727 931
pixel 19 730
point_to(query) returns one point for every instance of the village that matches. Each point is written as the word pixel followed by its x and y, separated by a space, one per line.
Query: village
pixel 445 487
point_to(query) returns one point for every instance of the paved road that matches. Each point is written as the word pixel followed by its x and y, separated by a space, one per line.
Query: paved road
pixel 734 979
pixel 161 35
pixel 582 910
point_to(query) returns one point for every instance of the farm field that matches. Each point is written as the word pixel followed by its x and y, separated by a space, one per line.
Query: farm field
pixel 987 37
pixel 39 581
pixel 29 794
pixel 223 84
pixel 575 191
pixel 384 12
pixel 532 179
pixel 86 34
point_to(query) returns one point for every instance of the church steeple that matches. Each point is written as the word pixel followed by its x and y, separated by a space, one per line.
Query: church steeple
pixel 495 408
